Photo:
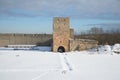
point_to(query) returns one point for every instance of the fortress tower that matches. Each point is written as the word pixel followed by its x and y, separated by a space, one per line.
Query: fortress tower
pixel 61 34
pixel 63 38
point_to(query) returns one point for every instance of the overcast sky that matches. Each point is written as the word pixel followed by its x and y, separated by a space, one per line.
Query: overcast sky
pixel 35 16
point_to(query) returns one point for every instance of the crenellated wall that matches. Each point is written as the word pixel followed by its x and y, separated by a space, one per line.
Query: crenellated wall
pixel 25 39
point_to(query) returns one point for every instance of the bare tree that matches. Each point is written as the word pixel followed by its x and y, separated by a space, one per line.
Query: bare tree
pixel 96 30
pixel 111 36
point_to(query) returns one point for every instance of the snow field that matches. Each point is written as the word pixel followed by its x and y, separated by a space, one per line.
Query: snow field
pixel 95 66
pixel 37 65
pixel 15 65
pixel 65 63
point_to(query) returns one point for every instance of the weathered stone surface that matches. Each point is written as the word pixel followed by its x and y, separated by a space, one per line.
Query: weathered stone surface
pixel 64 36
pixel 82 44
pixel 25 39
pixel 61 33
pixel 72 33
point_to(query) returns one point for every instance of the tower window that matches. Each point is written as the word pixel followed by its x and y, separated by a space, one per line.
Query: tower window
pixel 57 20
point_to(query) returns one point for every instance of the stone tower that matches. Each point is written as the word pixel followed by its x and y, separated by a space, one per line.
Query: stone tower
pixel 61 34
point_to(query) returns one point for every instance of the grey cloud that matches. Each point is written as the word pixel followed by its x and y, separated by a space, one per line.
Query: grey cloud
pixel 72 8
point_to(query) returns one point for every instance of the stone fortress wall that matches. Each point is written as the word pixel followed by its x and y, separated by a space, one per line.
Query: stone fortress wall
pixel 61 39
pixel 82 44
pixel 25 39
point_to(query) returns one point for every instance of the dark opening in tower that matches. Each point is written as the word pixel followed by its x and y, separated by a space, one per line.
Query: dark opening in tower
pixel 61 49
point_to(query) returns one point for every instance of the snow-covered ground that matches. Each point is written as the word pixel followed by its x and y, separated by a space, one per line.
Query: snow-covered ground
pixel 101 64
